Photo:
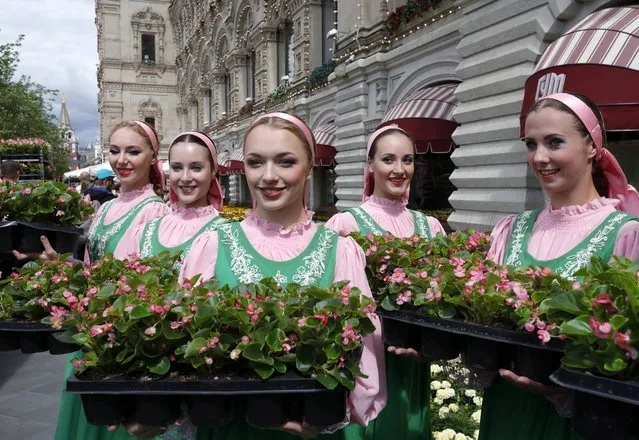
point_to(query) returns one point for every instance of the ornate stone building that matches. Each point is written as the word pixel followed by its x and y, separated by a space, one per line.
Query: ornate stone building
pixel 137 73
pixel 69 138
pixel 458 76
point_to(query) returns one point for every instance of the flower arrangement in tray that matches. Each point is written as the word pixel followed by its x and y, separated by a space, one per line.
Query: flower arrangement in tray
pixel 235 214
pixel 24 146
pixel 599 318
pixel 43 202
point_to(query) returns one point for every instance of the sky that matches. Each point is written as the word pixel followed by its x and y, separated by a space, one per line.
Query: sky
pixel 59 51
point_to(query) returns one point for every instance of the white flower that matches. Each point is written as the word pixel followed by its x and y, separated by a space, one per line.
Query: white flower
pixel 476 434
pixel 443 412
pixel 235 354
pixel 446 384
pixel 449 434
pixel 477 400
pixel 445 393
pixel 150 331
pixel 435 385
pixel 435 369
pixel 470 393
pixel 476 416
pixel 438 401
pixel 453 407
pixel 460 436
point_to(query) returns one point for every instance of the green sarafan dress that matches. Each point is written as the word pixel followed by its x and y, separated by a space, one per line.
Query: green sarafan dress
pixel 509 412
pixel 103 239
pixel 406 415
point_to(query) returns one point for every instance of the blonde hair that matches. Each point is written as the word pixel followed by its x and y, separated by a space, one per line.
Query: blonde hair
pixel 274 121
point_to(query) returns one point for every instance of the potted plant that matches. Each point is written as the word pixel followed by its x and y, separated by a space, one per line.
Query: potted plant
pixel 48 208
pixel 218 340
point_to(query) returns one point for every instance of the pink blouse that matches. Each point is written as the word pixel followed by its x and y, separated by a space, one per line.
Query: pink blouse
pixel 123 204
pixel 557 231
pixel 278 244
pixel 176 227
pixel 391 215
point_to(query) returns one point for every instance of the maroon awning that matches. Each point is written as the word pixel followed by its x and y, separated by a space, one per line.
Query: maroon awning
pixel 598 58
pixel 232 167
pixel 427 115
pixel 324 149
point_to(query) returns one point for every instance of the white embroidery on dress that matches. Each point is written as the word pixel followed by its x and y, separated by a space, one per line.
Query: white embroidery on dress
pixel 422 225
pixel 241 262
pixel 314 264
pixel 368 222
pixel 517 236
pixel 151 228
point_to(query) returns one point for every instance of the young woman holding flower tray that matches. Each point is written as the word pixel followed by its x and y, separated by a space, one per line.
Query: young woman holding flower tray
pixel 133 151
pixel 584 216
pixel 279 239
pixel 387 176
pixel 195 196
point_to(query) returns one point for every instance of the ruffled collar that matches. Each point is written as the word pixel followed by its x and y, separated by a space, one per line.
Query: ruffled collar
pixel 252 219
pixel 189 213
pixel 387 204
pixel 576 210
pixel 127 196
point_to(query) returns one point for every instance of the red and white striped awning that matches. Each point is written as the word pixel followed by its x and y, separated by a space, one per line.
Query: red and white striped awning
pixel 238 155
pixel 599 58
pixel 427 114
pixel 234 162
pixel 224 157
pixel 324 140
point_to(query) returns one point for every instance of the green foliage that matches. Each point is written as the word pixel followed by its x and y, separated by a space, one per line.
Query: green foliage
pixel 25 106
pixel 43 202
pixel 279 93
pixel 319 75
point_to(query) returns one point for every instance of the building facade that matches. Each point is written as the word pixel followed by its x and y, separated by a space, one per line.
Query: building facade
pixel 136 72
pixel 456 73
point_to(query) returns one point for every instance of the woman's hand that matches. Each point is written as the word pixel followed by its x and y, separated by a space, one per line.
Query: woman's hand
pixel 561 398
pixel 407 352
pixel 48 254
pixel 301 429
pixel 140 431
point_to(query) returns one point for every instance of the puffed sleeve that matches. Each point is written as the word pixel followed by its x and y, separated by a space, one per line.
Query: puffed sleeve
pixel 435 226
pixel 342 222
pixel 130 244
pixel 202 257
pixel 499 237
pixel 627 242
pixel 368 398
pixel 149 212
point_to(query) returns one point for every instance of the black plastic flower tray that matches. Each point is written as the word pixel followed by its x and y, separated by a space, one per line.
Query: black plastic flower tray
pixel 25 236
pixel 604 407
pixel 32 337
pixel 483 347
pixel 210 401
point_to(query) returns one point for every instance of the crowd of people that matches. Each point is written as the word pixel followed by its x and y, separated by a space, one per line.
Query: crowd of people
pixel 566 147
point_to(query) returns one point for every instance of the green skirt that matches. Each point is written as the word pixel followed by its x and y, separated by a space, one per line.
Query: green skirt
pixel 405 417
pixel 73 425
pixel 508 412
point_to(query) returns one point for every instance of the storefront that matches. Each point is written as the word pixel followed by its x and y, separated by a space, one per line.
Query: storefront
pixel 323 194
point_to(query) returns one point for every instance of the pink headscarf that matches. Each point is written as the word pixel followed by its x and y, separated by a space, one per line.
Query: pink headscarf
pixel 369 179
pixel 618 187
pixel 309 138
pixel 155 145
pixel 215 197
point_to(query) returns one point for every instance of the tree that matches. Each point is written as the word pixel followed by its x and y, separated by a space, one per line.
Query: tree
pixel 25 107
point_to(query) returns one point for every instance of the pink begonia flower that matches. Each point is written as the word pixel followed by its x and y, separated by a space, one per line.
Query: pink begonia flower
pixel 543 336
pixel 398 275
pixel 603 300
pixel 405 296
pixel 60 199
pixel 26 191
pixel 245 339
pixel 323 318
pixel 301 322
pixel 158 310
pixel 540 325
pixel 150 331
pixel 576 285
pixel 460 272
pixel 286 347
pixel 529 326
pixel 349 334
pixel 208 361
pixel 57 316
pixel 520 292
pixel 601 329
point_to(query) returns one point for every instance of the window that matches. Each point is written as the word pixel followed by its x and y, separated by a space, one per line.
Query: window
pixel 329 21
pixel 208 102
pixel 227 92
pixel 250 75
pixel 283 48
pixel 148 49
pixel 150 121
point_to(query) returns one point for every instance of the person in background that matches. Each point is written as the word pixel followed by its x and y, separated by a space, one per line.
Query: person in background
pixel 10 171
pixel 85 182
pixel 101 191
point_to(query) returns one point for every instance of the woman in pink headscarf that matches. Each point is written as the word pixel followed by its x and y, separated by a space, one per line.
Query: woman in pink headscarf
pixel 195 196
pixel 279 239
pixel 590 212
pixel 389 169
pixel 133 156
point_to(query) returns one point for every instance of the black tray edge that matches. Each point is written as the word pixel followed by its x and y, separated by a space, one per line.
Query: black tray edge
pixel 470 329
pixel 579 381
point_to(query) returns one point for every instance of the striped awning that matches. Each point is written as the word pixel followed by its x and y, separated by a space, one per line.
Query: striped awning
pixel 324 140
pixel 224 157
pixel 599 58
pixel 427 114
pixel 238 155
